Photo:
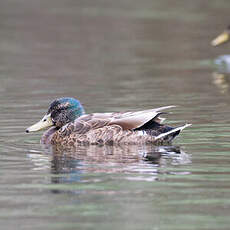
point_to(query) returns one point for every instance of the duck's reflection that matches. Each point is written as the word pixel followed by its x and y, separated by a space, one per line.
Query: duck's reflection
pixel 221 77
pixel 92 164
pixel 221 80
pixel 77 166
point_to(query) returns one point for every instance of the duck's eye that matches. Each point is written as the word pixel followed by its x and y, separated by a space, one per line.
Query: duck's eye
pixel 45 120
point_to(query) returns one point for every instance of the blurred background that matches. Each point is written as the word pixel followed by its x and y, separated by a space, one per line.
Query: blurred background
pixel 115 56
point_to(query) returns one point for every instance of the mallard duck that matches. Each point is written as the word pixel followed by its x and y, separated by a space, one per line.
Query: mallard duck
pixel 223 37
pixel 70 126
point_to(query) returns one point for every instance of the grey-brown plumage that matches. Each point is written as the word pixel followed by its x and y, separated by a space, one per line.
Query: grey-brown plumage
pixel 115 128
pixel 105 128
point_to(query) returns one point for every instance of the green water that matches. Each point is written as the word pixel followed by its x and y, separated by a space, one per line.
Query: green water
pixel 114 56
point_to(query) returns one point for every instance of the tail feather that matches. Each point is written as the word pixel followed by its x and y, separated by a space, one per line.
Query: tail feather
pixel 175 130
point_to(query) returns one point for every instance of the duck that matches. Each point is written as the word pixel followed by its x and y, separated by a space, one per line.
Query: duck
pixel 69 126
pixel 222 38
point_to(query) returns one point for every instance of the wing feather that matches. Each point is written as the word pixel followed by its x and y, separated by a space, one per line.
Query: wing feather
pixel 133 120
pixel 126 120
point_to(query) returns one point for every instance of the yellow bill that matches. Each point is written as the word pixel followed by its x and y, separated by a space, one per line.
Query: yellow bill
pixel 45 122
pixel 224 37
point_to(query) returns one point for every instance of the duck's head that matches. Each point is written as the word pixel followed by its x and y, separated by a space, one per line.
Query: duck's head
pixel 60 112
pixel 223 37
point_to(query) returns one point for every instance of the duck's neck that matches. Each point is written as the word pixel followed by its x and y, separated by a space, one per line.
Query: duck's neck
pixel 47 135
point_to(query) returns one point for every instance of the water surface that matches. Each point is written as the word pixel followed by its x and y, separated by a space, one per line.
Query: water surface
pixel 114 56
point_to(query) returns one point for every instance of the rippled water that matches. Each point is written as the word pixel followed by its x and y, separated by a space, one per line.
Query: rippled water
pixel 113 56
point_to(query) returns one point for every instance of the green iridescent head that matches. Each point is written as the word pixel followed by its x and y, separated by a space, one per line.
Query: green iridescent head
pixel 61 111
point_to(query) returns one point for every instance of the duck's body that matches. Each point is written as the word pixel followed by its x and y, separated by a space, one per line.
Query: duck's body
pixel 113 128
pixel 104 128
